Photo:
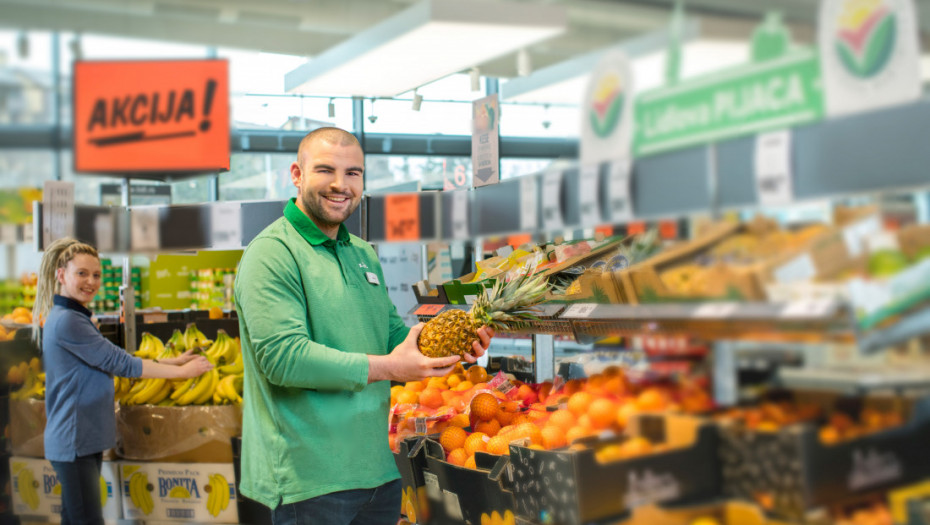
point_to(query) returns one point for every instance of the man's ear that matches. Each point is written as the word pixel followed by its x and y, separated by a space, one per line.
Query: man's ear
pixel 295 174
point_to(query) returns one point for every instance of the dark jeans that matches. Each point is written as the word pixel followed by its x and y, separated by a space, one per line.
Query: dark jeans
pixel 80 490
pixel 377 506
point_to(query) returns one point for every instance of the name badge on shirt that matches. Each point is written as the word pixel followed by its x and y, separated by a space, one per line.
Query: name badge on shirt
pixel 372 278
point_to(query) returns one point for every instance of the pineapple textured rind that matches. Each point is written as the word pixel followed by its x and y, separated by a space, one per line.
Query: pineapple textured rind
pixel 507 307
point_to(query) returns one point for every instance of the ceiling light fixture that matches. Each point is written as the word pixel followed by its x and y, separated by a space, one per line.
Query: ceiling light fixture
pixel 417 101
pixel 22 45
pixel 332 109
pixel 564 83
pixel 475 77
pixel 77 51
pixel 524 64
pixel 430 40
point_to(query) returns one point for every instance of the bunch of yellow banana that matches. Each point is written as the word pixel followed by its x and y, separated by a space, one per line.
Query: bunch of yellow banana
pixel 121 386
pixel 150 347
pixel 26 485
pixel 224 350
pixel 149 391
pixel 196 390
pixel 139 492
pixel 228 390
pixel 218 499
pixel 194 338
pixel 32 377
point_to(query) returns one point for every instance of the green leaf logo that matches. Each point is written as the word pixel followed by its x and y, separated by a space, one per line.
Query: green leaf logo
pixel 606 105
pixel 604 126
pixel 866 43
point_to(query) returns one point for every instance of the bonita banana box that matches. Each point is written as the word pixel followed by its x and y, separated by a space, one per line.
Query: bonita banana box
pixel 36 491
pixel 199 492
pixel 35 487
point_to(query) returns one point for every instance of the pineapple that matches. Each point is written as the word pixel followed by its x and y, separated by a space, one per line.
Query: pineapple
pixel 507 307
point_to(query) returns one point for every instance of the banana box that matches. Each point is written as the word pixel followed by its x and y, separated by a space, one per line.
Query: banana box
pixel 110 495
pixel 35 487
pixel 192 492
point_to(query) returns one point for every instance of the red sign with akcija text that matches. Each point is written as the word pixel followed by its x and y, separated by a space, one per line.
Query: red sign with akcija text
pixel 162 116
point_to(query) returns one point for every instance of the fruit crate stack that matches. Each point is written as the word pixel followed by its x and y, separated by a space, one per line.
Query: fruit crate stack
pixel 212 288
pixel 107 299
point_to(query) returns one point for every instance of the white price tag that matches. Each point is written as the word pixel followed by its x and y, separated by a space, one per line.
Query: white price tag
pixel 529 204
pixel 799 269
pixel 551 201
pixel 58 211
pixel 856 235
pixel 103 232
pixel 453 508
pixel 807 308
pixel 773 168
pixel 715 310
pixel 8 233
pixel 144 228
pixel 621 203
pixel 433 492
pixel 579 311
pixel 226 225
pixel 587 196
pixel 459 214
pixel 29 233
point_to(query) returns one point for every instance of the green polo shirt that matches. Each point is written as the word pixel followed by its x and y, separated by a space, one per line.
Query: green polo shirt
pixel 310 310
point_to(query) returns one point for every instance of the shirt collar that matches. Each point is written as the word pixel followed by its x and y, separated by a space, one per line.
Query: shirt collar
pixel 309 230
pixel 71 304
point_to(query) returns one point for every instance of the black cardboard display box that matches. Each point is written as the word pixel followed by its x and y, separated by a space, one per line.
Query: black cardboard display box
pixel 795 472
pixel 572 487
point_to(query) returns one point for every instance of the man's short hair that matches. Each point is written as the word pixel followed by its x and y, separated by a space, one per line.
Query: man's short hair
pixel 329 134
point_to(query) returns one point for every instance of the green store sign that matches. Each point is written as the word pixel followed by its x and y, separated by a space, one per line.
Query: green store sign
pixel 773 94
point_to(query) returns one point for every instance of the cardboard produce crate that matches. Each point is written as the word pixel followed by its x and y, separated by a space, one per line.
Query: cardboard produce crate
pixel 793 472
pixel 466 495
pixel 727 513
pixel 27 427
pixel 37 493
pixel 198 492
pixel 573 487
pixel 198 434
pixel 411 461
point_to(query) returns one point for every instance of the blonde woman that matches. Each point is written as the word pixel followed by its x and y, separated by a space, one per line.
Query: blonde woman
pixel 79 367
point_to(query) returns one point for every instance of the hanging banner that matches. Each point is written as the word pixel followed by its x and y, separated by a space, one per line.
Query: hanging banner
pixel 163 116
pixel 485 150
pixel 869 53
pixel 776 93
pixel 607 111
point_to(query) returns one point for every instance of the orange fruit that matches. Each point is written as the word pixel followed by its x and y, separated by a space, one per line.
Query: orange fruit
pixel 452 438
pixel 572 386
pixel 563 418
pixel 651 400
pixel 584 421
pixel 520 419
pixel 475 442
pixel 626 411
pixel 215 312
pixel 457 457
pixel 595 384
pixel 636 446
pixel 407 397
pixel 431 397
pixel 579 401
pixel 470 463
pixel 499 445
pixel 577 432
pixel 544 389
pixel 829 435
pixel 463 386
pixel 602 412
pixel 459 420
pixel 415 386
pixel 491 428
pixel 531 431
pixel 553 437
pixel 453 380
pixel 438 383
pixel 476 374
pixel 484 406
pixel 506 411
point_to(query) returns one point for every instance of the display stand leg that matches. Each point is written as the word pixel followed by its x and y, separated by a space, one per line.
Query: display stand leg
pixel 725 374
pixel 543 357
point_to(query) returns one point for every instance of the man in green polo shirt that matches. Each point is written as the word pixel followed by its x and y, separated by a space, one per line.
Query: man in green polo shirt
pixel 320 343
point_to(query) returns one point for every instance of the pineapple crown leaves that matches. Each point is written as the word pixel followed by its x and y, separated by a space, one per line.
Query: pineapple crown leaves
pixel 509 305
